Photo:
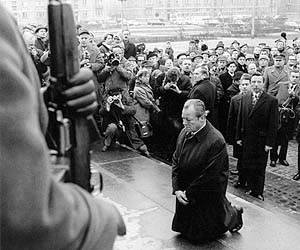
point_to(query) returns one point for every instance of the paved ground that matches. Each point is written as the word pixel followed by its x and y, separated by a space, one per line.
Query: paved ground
pixel 141 188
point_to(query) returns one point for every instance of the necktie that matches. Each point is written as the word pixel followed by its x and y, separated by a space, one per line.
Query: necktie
pixel 254 99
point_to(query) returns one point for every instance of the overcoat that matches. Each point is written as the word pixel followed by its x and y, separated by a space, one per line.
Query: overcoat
pixel 257 127
pixel 206 92
pixel 144 101
pixel 272 78
pixel 172 103
pixel 232 122
pixel 200 167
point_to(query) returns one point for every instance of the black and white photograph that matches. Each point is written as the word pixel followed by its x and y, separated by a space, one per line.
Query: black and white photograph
pixel 150 124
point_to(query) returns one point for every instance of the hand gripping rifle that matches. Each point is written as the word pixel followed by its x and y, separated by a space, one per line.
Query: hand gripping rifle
pixel 69 134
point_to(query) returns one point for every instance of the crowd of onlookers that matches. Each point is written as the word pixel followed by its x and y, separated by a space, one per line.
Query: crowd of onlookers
pixel 141 92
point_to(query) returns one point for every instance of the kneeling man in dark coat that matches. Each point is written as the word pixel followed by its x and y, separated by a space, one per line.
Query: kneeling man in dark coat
pixel 200 177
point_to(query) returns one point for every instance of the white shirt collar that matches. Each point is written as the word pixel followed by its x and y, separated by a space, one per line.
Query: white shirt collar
pixel 194 133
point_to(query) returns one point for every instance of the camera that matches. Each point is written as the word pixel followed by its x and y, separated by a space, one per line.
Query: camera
pixel 86 56
pixel 114 98
pixel 111 60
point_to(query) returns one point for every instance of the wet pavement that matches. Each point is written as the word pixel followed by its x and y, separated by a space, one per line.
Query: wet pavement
pixel 141 189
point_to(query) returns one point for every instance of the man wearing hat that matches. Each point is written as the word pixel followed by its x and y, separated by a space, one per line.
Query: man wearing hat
pixel 280 44
pixel 145 65
pixel 262 45
pixel 153 58
pixel 41 41
pixel 249 59
pixel 197 60
pixel 212 59
pixel 219 49
pixel 263 62
pixel 179 58
pixel 241 63
pixel 89 54
pixel 275 74
pixel 234 54
pixel 221 65
pixel 244 48
pixel 235 45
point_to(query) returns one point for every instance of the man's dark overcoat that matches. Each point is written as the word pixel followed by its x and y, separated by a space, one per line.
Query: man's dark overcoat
pixel 257 127
pixel 231 124
pixel 205 91
pixel 200 167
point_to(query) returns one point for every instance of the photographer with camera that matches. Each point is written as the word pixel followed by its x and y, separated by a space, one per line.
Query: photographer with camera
pixel 118 122
pixel 117 71
pixel 172 89
pixel 90 56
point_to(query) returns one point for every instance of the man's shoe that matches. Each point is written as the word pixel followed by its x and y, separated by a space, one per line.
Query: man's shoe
pixel 239 185
pixel 284 162
pixel 273 164
pixel 105 148
pixel 260 197
pixel 239 223
pixel 144 150
pixel 296 177
pixel 234 172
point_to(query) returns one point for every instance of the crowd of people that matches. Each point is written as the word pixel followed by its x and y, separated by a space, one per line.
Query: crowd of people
pixel 141 94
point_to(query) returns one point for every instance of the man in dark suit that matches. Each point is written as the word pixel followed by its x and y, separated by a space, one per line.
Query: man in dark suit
pixel 257 125
pixel 172 89
pixel 204 90
pixel 231 129
pixel 199 179
pixel 226 81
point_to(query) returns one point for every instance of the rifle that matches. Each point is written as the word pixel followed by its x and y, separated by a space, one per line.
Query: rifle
pixel 68 134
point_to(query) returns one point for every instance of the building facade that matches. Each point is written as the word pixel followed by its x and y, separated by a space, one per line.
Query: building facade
pixel 35 11
pixel 96 11
pixel 290 9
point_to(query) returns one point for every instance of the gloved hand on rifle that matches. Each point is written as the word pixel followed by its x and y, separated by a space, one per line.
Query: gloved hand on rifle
pixel 81 97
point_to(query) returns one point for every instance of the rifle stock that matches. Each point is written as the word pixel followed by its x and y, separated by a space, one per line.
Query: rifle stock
pixel 64 65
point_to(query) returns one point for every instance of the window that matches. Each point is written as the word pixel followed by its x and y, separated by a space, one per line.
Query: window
pixel 40 14
pixel 25 15
pixel 99 12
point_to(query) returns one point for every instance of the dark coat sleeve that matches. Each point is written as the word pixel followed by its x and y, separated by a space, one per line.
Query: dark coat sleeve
pixel 215 173
pixel 185 87
pixel 175 163
pixel 232 120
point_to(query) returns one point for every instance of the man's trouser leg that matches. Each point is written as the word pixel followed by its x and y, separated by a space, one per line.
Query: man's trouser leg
pixel 110 134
